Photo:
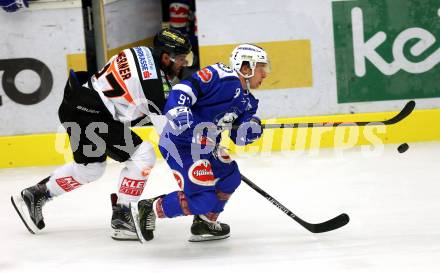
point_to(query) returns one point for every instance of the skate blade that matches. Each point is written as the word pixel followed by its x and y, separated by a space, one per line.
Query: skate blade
pixel 206 238
pixel 124 235
pixel 135 215
pixel 22 211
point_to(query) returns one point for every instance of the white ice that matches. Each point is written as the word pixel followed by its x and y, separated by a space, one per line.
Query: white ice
pixel 393 200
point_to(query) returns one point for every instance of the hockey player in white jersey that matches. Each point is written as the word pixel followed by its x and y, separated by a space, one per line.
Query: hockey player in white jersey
pixel 97 113
pixel 215 97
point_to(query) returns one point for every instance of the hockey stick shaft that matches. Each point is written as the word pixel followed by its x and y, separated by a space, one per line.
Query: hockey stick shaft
pixel 406 111
pixel 329 225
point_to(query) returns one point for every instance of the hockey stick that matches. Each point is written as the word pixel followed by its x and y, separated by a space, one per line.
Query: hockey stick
pixel 335 223
pixel 407 109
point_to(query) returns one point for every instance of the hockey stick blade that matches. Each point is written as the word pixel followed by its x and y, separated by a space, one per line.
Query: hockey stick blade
pixel 332 224
pixel 409 107
pixel 135 216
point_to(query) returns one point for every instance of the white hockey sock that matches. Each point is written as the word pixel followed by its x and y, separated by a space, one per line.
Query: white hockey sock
pixel 131 186
pixel 135 175
pixel 73 175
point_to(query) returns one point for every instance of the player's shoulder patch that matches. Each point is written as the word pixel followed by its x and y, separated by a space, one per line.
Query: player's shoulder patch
pixel 147 67
pixel 224 70
pixel 205 75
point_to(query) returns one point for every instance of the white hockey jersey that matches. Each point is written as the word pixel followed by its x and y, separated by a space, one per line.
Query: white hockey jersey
pixel 131 85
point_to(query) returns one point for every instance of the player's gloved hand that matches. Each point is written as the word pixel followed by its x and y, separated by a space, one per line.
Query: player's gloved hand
pixel 180 119
pixel 254 131
pixel 13 5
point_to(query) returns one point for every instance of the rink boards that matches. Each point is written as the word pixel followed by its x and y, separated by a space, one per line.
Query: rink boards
pixel 316 69
pixel 421 125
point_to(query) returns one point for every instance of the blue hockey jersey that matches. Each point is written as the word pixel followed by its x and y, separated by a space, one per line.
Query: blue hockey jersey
pixel 215 95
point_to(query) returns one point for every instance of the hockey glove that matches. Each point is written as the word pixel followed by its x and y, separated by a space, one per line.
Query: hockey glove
pixel 255 130
pixel 180 119
pixel 248 132
pixel 13 5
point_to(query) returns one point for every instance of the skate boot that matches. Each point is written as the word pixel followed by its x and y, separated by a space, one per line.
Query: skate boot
pixel 29 205
pixel 122 223
pixel 203 229
pixel 144 219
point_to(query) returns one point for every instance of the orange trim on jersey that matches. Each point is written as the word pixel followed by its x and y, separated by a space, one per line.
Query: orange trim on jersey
pixel 112 69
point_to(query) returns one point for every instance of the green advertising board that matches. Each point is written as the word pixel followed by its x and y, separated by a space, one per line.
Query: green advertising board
pixel 387 49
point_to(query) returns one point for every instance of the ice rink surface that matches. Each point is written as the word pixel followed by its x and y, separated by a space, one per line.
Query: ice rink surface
pixel 393 200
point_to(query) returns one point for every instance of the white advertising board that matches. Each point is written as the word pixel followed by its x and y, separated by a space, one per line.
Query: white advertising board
pixel 33 66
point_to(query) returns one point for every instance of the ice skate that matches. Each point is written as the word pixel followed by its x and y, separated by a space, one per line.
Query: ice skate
pixel 123 228
pixel 144 218
pixel 203 229
pixel 29 205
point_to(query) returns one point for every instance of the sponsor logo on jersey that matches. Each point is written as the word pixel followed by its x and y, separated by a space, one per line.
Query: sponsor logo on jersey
pixel 201 173
pixel 132 186
pixel 179 178
pixel 205 75
pixel 68 183
pixel 146 64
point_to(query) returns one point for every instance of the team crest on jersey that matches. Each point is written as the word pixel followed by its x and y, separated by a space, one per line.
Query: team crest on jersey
pixel 146 63
pixel 179 178
pixel 205 75
pixel 201 173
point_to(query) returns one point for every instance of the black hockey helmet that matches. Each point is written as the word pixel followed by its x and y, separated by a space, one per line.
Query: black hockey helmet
pixel 172 42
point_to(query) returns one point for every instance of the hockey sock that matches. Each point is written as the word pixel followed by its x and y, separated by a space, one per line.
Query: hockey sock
pixel 73 175
pixel 134 176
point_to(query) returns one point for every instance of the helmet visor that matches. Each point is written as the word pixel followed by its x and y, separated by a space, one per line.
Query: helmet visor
pixel 183 59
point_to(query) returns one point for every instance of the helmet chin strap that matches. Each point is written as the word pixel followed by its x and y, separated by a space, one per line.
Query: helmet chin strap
pixel 248 84
pixel 247 79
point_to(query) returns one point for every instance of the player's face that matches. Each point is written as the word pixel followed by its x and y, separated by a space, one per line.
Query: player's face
pixel 261 71
pixel 176 63
pixel 179 62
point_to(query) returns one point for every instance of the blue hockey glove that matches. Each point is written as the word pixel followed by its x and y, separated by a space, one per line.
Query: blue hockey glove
pixel 180 119
pixel 255 130
pixel 248 132
pixel 13 5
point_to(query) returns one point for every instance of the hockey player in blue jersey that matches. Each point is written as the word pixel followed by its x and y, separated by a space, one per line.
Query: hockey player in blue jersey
pixel 197 109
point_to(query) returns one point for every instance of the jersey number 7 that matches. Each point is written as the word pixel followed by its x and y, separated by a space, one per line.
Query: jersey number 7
pixel 117 85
